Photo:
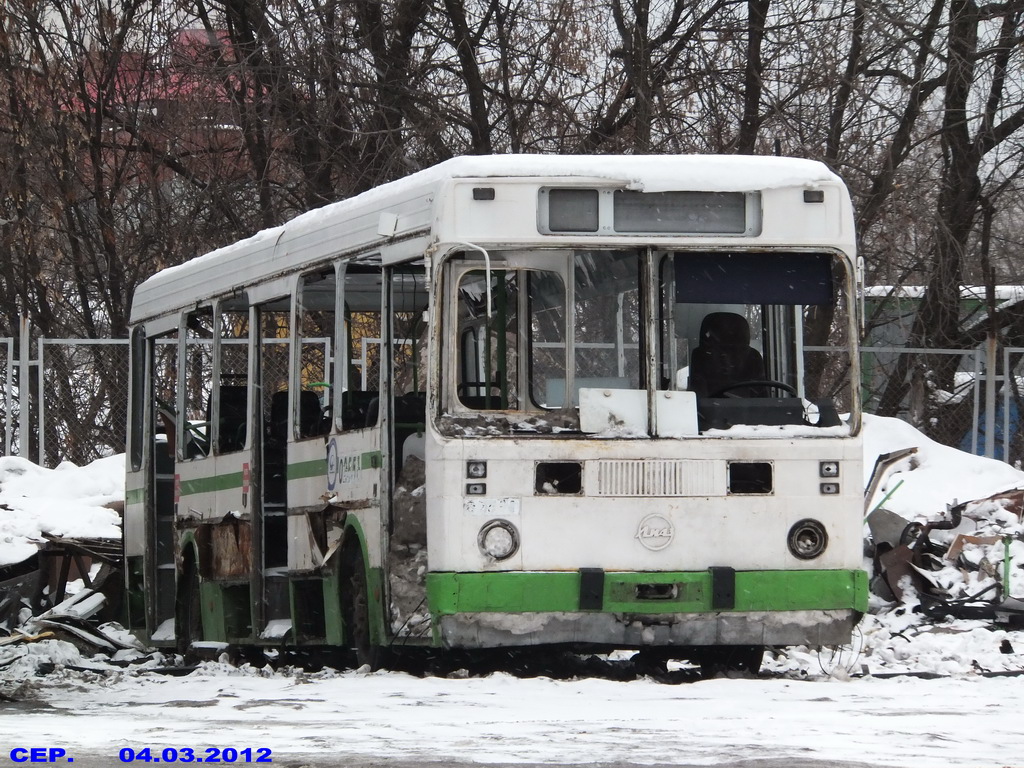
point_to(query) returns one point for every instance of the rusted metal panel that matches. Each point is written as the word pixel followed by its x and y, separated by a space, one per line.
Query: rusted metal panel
pixel 225 548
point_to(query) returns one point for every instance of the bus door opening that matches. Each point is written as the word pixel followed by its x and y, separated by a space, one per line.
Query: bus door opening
pixel 271 539
pixel 407 520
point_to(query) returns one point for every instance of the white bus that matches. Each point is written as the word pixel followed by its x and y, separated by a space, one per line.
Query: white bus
pixel 588 402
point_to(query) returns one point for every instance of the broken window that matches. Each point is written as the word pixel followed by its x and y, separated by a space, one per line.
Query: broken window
pixel 315 332
pixel 734 327
pixel 230 407
pixel 361 358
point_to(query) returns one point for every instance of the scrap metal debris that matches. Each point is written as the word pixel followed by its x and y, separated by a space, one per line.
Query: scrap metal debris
pixel 43 580
pixel 964 565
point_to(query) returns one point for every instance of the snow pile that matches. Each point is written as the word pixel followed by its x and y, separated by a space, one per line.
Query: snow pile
pixel 989 494
pixel 68 501
pixel 935 476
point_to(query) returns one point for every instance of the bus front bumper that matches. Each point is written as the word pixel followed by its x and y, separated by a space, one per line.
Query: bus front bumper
pixel 637 610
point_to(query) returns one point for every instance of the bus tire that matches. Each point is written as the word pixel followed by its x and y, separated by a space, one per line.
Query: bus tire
pixel 731 659
pixel 355 612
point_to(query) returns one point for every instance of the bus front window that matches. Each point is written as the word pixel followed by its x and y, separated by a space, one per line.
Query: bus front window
pixel 735 331
pixel 538 326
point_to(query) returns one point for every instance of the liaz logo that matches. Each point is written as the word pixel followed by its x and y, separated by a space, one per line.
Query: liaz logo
pixel 655 532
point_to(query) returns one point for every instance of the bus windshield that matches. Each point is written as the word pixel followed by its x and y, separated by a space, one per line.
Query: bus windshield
pixel 741 330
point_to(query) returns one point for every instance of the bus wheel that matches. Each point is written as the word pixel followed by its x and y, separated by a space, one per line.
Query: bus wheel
pixel 730 659
pixel 188 621
pixel 355 612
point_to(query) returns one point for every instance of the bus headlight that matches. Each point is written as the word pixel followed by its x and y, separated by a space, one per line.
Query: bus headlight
pixel 498 539
pixel 807 539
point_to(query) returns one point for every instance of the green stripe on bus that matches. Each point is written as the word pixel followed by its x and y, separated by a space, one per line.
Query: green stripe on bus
pixel 318 467
pixel 312 468
pixel 210 484
pixel 135 496
pixel 532 591
pixel 296 471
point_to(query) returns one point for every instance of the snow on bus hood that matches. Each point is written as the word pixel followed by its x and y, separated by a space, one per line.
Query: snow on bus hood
pixel 67 501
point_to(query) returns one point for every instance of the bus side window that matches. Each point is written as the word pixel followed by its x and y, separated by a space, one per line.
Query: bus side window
pixel 232 349
pixel 198 381
pixel 362 346
pixel 315 332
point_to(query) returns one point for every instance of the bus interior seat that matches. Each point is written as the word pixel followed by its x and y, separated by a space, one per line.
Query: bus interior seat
pixel 309 414
pixel 410 409
pixel 410 412
pixel 232 421
pixel 275 450
pixel 277 425
pixel 355 405
pixel 486 397
pixel 724 357
pixel 372 411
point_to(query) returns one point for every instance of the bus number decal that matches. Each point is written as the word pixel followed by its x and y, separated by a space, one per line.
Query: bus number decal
pixel 348 466
pixel 494 507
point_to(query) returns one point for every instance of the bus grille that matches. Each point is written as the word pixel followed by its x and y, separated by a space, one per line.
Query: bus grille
pixel 655 477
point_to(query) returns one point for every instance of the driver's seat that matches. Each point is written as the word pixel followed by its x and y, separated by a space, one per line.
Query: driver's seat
pixel 725 358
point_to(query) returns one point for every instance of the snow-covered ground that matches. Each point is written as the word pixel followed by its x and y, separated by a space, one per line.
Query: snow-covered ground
pixel 955 699
pixel 364 718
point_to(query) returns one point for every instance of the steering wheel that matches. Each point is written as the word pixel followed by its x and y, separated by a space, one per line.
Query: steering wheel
pixel 755 383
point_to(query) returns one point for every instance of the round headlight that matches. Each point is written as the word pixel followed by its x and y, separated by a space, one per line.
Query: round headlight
pixel 807 539
pixel 498 539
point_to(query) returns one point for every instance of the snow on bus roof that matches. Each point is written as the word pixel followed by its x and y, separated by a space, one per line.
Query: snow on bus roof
pixel 647 173
pixel 650 173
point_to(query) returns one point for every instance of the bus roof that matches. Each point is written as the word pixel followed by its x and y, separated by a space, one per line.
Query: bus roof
pixel 355 224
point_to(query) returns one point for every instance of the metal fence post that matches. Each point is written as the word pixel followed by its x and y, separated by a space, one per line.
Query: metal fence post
pixel 24 387
pixel 976 389
pixel 8 395
pixel 990 395
pixel 1007 389
pixel 41 408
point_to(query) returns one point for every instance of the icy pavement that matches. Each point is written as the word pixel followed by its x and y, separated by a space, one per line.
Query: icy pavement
pixel 358 716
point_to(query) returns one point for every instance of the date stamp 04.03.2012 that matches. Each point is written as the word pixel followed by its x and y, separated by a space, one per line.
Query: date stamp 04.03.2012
pixel 129 755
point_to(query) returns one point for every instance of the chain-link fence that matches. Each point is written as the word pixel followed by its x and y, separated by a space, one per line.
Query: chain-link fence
pixel 63 399
pixel 939 391
pixel 81 399
pixel 77 392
